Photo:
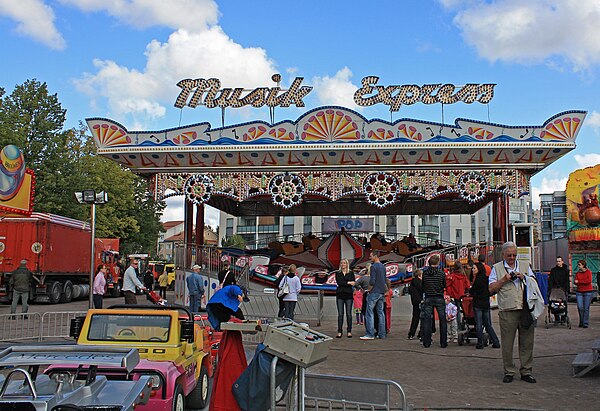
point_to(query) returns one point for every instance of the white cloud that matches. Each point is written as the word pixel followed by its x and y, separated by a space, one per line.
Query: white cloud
pixel 192 15
pixel 174 212
pixel 34 19
pixel 587 160
pixel 547 185
pixel 337 90
pixel 531 32
pixel 593 120
pixel 142 94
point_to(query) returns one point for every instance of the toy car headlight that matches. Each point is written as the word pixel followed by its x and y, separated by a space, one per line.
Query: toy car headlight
pixel 155 381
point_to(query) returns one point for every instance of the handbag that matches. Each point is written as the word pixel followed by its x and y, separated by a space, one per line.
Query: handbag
pixel 283 290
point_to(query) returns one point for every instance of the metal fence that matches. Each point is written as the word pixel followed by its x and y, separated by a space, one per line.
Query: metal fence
pixel 18 327
pixel 309 308
pixel 329 392
pixel 57 324
pixel 36 326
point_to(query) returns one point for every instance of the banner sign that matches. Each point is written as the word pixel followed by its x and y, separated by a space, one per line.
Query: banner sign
pixel 348 224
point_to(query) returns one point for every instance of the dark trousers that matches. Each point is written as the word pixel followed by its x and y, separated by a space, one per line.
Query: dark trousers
pixel 130 297
pixel 281 311
pixel 163 292
pixel 416 315
pixel 347 305
pixel 289 306
pixel 97 300
pixel 438 304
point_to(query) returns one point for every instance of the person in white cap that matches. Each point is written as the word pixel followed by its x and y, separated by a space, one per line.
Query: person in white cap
pixel 195 288
pixel 20 282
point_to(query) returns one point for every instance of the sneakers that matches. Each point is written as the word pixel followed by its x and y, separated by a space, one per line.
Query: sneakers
pixel 367 337
pixel 410 337
pixel 455 340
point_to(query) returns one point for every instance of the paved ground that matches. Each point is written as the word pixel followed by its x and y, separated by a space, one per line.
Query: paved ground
pixel 458 377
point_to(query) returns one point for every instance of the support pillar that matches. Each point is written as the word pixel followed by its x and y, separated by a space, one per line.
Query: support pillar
pixel 188 232
pixel 500 215
pixel 199 232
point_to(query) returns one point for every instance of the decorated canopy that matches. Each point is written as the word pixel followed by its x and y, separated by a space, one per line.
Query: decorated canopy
pixel 334 161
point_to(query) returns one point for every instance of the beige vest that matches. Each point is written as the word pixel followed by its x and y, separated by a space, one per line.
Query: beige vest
pixel 510 296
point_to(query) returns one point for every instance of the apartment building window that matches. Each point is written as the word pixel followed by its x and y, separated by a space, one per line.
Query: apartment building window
pixel 288 225
pixel 390 225
pixel 307 226
pixel 459 235
pixel 229 227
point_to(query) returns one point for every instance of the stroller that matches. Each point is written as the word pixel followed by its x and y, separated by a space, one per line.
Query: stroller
pixel 557 308
pixel 468 329
pixel 155 298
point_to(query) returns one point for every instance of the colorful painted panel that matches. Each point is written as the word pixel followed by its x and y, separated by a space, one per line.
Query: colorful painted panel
pixel 337 125
pixel 583 211
pixel 16 182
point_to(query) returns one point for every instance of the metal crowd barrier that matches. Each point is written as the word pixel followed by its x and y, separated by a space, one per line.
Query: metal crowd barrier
pixel 36 326
pixel 342 392
pixel 57 324
pixel 17 327
pixel 308 307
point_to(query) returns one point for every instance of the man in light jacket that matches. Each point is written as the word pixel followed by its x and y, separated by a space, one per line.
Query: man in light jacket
pixel 507 279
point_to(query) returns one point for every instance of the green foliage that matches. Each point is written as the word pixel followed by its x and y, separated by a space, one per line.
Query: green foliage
pixel 65 161
pixel 235 241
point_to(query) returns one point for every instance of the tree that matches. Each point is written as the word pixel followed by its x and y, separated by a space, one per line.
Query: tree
pixel 65 161
pixel 235 241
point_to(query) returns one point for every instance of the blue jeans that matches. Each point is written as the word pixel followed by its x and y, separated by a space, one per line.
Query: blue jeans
pixel 584 300
pixel 483 319
pixel 195 303
pixel 375 302
pixel 440 306
pixel 347 305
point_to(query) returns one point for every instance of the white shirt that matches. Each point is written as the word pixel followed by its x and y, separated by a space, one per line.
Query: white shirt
pixel 130 280
pixel 494 275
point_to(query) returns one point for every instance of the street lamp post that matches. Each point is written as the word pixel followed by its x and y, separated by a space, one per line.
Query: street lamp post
pixel 92 198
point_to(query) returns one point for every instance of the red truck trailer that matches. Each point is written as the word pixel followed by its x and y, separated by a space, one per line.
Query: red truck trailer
pixel 57 250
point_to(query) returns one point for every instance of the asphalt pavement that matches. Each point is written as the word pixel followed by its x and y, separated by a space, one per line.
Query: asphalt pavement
pixel 454 378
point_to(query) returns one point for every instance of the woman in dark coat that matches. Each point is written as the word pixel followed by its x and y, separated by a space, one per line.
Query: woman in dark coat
pixel 481 306
pixel 344 298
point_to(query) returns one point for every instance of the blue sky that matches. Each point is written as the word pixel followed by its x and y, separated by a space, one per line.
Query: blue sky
pixel 121 59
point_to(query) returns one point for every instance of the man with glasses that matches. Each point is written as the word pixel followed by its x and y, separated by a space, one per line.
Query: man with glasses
pixel 508 280
pixel 130 282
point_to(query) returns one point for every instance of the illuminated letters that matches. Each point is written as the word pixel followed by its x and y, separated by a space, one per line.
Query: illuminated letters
pixel 209 93
pixel 394 96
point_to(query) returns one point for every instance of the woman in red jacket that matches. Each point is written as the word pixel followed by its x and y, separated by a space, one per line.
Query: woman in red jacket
pixel 583 281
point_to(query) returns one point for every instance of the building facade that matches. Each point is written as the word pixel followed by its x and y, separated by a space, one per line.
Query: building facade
pixel 553 215
pixel 460 229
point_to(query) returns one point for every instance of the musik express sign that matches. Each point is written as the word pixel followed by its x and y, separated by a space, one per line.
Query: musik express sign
pixel 208 92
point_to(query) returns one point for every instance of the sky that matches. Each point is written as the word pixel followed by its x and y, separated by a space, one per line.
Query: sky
pixel 122 59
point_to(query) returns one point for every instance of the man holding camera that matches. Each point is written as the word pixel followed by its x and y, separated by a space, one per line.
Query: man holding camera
pixel 508 280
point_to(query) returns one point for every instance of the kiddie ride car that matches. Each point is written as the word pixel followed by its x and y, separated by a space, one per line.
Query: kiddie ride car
pixel 24 389
pixel 175 351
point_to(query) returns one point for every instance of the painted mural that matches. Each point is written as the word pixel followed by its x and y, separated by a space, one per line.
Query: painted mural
pixel 583 210
pixel 16 182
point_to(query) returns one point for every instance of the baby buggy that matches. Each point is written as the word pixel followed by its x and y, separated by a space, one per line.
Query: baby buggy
pixel 468 330
pixel 557 308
